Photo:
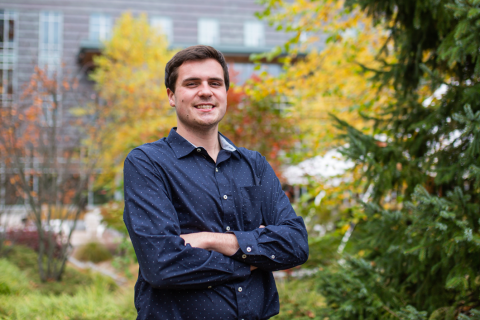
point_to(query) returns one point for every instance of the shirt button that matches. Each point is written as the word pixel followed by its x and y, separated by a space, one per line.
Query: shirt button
pixel 240 289
pixel 198 150
pixel 249 249
pixel 227 228
pixel 273 256
pixel 244 256
pixel 216 169
pixel 209 287
pixel 225 197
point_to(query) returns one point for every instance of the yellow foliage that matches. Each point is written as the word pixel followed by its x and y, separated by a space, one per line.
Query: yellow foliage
pixel 330 80
pixel 133 106
pixel 328 74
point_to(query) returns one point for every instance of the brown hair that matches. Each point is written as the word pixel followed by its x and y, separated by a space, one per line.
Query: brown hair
pixel 199 52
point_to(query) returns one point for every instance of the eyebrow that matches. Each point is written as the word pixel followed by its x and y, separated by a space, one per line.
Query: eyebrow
pixel 196 79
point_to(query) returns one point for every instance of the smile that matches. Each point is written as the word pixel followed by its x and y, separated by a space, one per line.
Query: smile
pixel 204 106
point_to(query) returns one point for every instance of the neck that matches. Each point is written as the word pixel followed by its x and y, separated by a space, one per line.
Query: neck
pixel 202 138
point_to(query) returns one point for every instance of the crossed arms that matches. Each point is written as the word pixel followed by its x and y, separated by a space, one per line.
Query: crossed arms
pixel 224 243
pixel 171 260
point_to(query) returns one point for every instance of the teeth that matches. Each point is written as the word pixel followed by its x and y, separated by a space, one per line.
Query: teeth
pixel 202 106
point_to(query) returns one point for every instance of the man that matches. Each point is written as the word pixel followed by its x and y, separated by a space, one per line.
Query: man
pixel 208 220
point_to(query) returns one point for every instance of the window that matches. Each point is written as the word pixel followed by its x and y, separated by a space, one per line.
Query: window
pixel 245 71
pixel 100 27
pixel 253 34
pixel 164 25
pixel 8 55
pixel 208 32
pixel 50 52
pixel 50 45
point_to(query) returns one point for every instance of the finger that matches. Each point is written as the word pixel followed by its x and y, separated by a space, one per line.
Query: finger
pixel 262 226
pixel 185 239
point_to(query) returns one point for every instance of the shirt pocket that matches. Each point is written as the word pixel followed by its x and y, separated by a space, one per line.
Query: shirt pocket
pixel 252 207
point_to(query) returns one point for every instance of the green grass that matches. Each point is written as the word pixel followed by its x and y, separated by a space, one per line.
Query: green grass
pixel 26 260
pixel 91 302
pixel 79 296
pixel 88 296
pixel 12 280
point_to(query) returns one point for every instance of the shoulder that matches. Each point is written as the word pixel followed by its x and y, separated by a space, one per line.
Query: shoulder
pixel 250 154
pixel 255 158
pixel 152 151
pixel 149 159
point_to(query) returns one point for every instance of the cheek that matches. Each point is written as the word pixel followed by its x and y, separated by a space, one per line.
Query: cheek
pixel 222 97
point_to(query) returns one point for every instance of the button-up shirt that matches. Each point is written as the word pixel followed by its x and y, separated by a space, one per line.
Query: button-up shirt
pixel 173 187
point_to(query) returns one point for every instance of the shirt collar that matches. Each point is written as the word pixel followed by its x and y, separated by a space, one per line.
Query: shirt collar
pixel 182 147
pixel 225 143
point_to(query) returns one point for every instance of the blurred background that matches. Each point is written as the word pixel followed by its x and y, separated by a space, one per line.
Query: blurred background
pixel 368 111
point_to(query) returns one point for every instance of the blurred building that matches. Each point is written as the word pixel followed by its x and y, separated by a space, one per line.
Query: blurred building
pixel 65 35
pixel 52 32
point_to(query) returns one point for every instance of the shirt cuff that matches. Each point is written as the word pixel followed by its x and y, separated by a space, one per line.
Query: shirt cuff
pixel 247 242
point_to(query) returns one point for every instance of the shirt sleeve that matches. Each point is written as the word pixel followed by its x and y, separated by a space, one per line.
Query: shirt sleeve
pixel 283 243
pixel 152 223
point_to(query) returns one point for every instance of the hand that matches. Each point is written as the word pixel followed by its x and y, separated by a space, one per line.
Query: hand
pixel 196 240
pixel 201 239
pixel 225 243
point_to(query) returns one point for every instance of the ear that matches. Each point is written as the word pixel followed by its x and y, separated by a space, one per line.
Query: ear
pixel 171 97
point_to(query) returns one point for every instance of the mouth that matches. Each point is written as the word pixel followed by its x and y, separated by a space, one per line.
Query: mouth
pixel 204 106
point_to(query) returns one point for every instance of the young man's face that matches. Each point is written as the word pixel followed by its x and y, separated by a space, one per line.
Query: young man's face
pixel 200 97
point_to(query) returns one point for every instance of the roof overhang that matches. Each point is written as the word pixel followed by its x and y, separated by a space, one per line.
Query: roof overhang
pixel 233 54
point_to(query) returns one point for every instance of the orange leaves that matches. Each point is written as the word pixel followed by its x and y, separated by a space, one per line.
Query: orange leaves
pixel 258 125
pixel 14 179
pixel 66 85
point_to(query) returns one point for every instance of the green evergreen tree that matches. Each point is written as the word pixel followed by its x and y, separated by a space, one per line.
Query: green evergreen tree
pixel 417 253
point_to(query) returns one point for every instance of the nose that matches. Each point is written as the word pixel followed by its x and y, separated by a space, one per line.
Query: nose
pixel 205 91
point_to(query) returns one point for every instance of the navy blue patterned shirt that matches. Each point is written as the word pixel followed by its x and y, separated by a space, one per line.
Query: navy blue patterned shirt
pixel 173 187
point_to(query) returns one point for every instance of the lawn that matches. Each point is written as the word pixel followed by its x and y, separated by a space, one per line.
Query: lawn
pixel 85 295
pixel 79 296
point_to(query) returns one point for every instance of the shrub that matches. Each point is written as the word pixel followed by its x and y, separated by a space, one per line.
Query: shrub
pixel 12 280
pixel 30 238
pixel 92 302
pixel 93 251
pixel 299 300
pixel 26 260
pixel 112 213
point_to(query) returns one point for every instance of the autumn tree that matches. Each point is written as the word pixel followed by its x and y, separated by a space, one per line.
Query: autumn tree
pixel 326 65
pixel 46 163
pixel 129 80
pixel 324 69
pixel 263 125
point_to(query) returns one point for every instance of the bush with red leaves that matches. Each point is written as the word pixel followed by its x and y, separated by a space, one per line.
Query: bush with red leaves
pixel 30 238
